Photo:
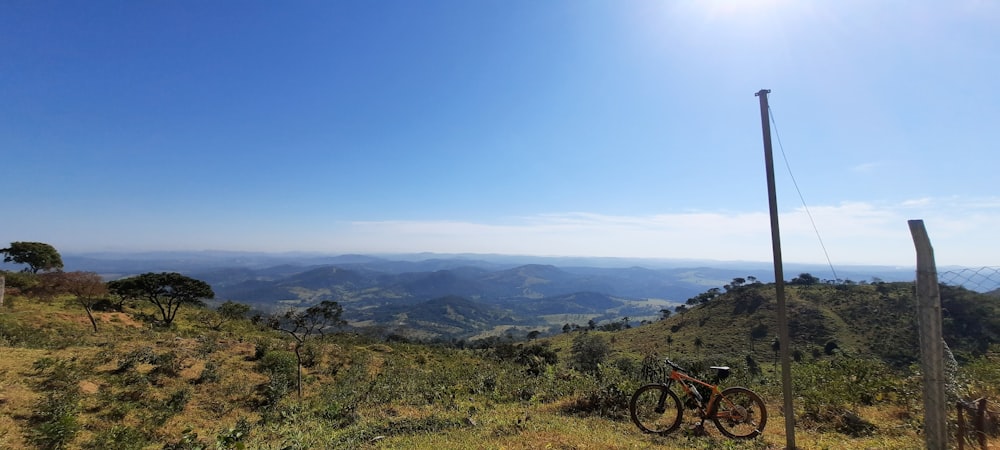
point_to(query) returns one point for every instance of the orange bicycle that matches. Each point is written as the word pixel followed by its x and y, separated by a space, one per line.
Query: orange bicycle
pixel 738 412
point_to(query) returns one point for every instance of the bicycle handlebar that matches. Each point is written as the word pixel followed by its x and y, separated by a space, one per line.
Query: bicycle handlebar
pixel 674 366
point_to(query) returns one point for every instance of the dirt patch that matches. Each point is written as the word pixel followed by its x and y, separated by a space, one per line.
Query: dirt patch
pixel 89 387
pixel 118 318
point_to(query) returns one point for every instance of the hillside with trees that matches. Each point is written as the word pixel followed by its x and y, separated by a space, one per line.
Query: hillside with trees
pixel 143 362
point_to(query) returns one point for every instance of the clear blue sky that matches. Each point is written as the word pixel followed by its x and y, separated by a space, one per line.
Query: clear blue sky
pixel 597 128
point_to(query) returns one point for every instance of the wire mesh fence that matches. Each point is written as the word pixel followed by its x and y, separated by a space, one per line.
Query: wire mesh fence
pixel 982 279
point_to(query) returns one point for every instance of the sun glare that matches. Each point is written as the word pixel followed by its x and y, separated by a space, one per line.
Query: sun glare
pixel 718 9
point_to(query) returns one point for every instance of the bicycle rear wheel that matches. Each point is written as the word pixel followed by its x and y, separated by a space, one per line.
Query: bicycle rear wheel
pixel 740 413
pixel 656 409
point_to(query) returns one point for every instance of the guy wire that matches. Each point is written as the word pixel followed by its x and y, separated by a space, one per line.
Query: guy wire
pixel 796 184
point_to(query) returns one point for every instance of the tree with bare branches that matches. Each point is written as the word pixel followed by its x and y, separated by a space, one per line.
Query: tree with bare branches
pixel 301 324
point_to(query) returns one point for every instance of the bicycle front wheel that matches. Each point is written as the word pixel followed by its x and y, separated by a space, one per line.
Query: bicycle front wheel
pixel 740 413
pixel 656 409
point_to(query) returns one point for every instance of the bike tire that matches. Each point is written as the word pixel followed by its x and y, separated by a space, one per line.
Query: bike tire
pixel 740 413
pixel 656 409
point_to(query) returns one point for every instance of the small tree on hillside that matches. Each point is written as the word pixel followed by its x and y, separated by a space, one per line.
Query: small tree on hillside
pixel 88 288
pixel 776 347
pixel 38 256
pixel 226 312
pixel 300 324
pixel 124 290
pixel 804 279
pixel 588 352
pixel 167 291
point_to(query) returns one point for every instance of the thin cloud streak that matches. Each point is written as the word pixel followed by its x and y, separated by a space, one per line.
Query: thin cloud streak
pixel 852 232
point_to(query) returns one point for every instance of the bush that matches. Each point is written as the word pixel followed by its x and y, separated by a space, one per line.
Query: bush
pixel 118 437
pixel 54 422
pixel 280 366
pixel 588 352
pixel 260 348
pixel 167 364
pixel 606 398
pixel 983 375
pixel 210 374
pixel 832 389
pixel 142 355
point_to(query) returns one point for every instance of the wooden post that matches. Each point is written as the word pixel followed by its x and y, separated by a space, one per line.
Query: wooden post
pixel 931 339
pixel 784 341
pixel 3 284
pixel 961 425
pixel 981 423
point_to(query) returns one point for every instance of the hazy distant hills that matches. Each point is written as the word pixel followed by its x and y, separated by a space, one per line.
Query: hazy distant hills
pixel 454 296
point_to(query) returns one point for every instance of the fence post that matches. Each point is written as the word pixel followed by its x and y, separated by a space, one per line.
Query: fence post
pixel 931 339
pixel 981 423
pixel 961 425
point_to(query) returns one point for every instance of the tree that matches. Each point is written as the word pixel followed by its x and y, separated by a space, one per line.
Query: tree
pixel 166 290
pixel 704 297
pixel 664 314
pixel 300 324
pixel 123 290
pixel 804 279
pixel 88 288
pixel 39 256
pixel 588 352
pixel 226 312
pixel 776 346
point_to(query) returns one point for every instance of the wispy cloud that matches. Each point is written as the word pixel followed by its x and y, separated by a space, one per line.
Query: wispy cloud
pixel 867 167
pixel 852 232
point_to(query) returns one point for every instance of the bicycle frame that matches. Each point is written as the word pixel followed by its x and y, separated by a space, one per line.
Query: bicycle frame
pixel 680 378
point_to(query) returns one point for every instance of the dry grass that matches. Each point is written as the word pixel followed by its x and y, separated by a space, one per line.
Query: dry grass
pixel 470 408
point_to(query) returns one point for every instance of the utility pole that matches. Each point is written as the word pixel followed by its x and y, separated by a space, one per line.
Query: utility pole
pixel 779 277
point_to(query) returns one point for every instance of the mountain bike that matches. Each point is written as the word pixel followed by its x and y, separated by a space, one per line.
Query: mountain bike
pixel 737 412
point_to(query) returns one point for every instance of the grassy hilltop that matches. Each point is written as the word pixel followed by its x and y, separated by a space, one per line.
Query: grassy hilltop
pixel 133 385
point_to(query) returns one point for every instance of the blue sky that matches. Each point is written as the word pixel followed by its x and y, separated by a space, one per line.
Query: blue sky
pixel 571 128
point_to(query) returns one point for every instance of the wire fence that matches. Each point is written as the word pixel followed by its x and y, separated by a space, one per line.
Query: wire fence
pixel 982 279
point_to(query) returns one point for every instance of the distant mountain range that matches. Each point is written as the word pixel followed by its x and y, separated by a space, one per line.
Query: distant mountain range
pixel 431 296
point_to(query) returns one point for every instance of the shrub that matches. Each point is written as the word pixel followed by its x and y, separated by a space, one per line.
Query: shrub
pixel 588 352
pixel 260 348
pixel 832 389
pixel 53 421
pixel 118 437
pixel 167 364
pixel 142 355
pixel 210 374
pixel 280 366
pixel 607 398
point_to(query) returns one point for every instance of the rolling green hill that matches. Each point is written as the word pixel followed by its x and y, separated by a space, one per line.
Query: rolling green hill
pixel 869 320
pixel 133 385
